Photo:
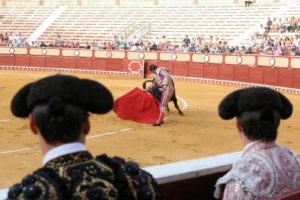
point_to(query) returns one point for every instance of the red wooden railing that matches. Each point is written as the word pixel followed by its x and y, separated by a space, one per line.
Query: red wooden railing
pixel 252 69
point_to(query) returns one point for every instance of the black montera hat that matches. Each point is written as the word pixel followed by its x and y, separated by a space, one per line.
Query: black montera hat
pixel 251 99
pixel 86 94
pixel 152 67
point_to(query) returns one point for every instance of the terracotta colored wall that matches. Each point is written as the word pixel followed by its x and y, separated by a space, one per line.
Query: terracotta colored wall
pixel 268 70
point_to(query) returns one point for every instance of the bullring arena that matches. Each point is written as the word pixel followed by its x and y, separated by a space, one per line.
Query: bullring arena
pixel 201 79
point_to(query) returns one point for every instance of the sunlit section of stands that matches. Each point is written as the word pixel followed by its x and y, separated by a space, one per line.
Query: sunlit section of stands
pixel 22 20
pixel 288 8
pixel 22 3
pixel 99 23
pixel 86 24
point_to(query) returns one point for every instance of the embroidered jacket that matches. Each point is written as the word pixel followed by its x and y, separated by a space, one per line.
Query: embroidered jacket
pixel 79 176
pixel 163 78
pixel 265 171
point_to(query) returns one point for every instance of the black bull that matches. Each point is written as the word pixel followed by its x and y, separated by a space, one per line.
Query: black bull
pixel 156 93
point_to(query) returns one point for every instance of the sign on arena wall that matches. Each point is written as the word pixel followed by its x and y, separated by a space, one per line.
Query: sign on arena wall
pixel 137 67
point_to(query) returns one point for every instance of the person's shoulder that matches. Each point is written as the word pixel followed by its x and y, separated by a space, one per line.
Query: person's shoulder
pixel 130 179
pixel 251 172
pixel 41 184
pixel 162 69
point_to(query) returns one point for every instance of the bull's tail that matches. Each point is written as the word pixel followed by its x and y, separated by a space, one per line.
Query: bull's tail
pixel 174 99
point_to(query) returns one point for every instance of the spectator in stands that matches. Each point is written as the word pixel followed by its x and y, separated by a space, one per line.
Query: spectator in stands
pixel 87 45
pixel 58 108
pixel 1 37
pixel 249 50
pixel 6 37
pixel 134 47
pixel 297 40
pixel 155 43
pixel 243 50
pixel 103 45
pixel 217 48
pixel 226 49
pixel 193 48
pixel 185 48
pixel 61 44
pixel 277 50
pixel 268 25
pixel 248 3
pixel 200 41
pixel 108 46
pixel 76 45
pixel 72 45
pixel 10 36
pixel 140 47
pixel 253 42
pixel 275 27
pixel 14 43
pixel 51 45
pixel 193 41
pixel 293 24
pixel 42 44
pixel 186 40
pixel 115 42
pixel 237 50
pixel 135 40
pixel 297 51
pixel 58 38
pixel 122 44
pixel 287 41
pixel 298 24
pixel 284 25
pixel 266 170
pixel 205 49
pixel 163 43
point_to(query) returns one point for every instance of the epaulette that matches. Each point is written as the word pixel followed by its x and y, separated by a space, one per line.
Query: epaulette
pixel 131 181
pixel 42 184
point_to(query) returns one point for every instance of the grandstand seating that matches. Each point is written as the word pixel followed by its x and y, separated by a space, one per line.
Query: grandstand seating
pixel 101 22
pixel 22 20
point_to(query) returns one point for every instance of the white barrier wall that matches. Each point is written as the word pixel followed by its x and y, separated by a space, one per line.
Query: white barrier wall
pixel 3 194
pixel 184 170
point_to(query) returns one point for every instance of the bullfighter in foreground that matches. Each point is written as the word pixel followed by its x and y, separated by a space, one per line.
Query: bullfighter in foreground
pixel 58 109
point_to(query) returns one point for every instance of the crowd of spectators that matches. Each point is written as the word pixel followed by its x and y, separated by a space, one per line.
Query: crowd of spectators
pixel 260 43
pixel 266 44
pixel 13 39
pixel 280 25
pixel 278 37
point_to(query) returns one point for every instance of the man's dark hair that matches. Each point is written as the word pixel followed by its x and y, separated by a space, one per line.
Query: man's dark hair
pixel 260 125
pixel 152 67
pixel 59 122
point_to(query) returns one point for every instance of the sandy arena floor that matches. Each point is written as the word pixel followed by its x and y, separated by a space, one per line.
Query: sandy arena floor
pixel 199 133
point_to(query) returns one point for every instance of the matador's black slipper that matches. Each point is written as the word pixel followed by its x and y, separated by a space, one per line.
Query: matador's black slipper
pixel 158 124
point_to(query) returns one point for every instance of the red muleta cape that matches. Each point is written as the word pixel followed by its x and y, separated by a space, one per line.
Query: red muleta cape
pixel 137 106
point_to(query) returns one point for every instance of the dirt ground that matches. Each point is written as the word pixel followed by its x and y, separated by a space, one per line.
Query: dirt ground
pixel 199 133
